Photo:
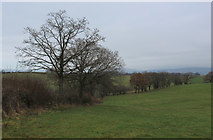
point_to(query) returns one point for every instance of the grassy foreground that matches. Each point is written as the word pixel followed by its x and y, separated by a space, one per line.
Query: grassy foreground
pixel 178 111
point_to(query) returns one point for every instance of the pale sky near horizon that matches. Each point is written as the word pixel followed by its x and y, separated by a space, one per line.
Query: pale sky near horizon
pixel 146 35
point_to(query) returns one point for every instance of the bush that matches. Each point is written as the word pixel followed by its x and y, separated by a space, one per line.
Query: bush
pixel 24 92
pixel 89 99
pixel 21 93
pixel 120 89
pixel 66 98
pixel 86 98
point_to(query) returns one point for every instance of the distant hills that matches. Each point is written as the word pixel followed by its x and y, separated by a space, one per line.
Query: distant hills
pixel 201 70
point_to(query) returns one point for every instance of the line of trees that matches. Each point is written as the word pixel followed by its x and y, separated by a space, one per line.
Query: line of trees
pixel 71 50
pixel 144 81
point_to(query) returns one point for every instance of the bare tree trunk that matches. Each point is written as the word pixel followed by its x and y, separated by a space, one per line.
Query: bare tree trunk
pixel 81 84
pixel 61 80
pixel 61 75
pixel 81 89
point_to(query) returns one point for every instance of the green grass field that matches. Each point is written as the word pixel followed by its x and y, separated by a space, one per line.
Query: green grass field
pixel 197 80
pixel 175 112
pixel 122 80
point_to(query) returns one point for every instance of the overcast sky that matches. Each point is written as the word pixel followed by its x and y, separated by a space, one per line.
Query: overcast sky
pixel 146 35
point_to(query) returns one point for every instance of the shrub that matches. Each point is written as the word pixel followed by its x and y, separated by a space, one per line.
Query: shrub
pixel 86 98
pixel 24 92
pixel 66 98
pixel 20 93
pixel 120 89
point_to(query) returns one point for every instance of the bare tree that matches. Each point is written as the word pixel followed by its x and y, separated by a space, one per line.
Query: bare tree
pixel 93 63
pixel 54 45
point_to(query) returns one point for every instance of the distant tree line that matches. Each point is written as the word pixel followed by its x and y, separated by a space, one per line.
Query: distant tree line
pixel 142 82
